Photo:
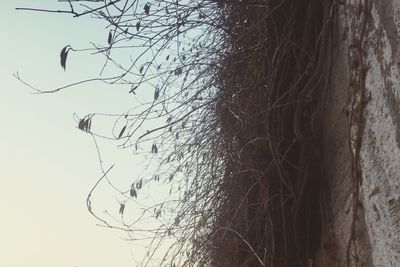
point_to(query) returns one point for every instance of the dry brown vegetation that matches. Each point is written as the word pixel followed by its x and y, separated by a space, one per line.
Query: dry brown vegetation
pixel 271 93
pixel 239 124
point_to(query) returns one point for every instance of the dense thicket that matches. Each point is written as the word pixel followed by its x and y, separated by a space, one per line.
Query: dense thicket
pixel 231 123
pixel 271 91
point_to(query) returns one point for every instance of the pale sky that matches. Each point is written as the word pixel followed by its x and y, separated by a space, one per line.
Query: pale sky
pixel 47 165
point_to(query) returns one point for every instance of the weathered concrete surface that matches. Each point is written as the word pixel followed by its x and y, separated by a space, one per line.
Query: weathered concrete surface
pixel 380 154
pixel 378 220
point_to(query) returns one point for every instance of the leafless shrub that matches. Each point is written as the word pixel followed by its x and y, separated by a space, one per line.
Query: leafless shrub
pixel 229 124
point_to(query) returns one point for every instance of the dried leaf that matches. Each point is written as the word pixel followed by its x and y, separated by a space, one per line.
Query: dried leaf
pixel 138 26
pixel 84 124
pixel 141 69
pixel 178 71
pixel 81 124
pixel 139 184
pixel 63 56
pixel 156 94
pixel 121 132
pixel 133 192
pixel 109 37
pixel 154 149
pixel 89 124
pixel 147 8
pixel 121 208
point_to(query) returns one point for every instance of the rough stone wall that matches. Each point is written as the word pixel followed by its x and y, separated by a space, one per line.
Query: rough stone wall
pixel 378 213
